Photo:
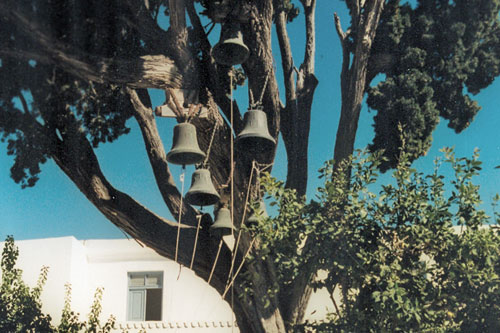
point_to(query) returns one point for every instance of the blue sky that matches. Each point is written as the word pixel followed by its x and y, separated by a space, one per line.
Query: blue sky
pixel 55 207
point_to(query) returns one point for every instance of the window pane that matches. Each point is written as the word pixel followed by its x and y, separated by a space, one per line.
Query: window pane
pixel 136 280
pixel 152 281
pixel 136 305
pixel 153 304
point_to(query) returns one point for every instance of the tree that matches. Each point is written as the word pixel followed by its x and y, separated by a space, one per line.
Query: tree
pixel 403 256
pixel 21 307
pixel 74 72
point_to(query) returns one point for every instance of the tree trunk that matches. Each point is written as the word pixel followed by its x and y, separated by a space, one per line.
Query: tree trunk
pixel 353 75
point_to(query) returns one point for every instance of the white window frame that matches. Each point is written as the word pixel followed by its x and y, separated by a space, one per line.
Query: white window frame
pixel 141 291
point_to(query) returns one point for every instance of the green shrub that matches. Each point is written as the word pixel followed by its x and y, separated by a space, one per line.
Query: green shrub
pixel 21 307
pixel 411 255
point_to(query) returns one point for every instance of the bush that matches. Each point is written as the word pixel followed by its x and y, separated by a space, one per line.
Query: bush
pixel 412 255
pixel 21 307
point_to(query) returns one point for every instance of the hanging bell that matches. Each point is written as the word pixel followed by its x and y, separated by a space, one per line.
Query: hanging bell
pixel 222 225
pixel 185 149
pixel 255 136
pixel 202 191
pixel 259 213
pixel 230 50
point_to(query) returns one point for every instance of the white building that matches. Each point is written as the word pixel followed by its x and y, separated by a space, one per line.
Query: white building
pixel 142 289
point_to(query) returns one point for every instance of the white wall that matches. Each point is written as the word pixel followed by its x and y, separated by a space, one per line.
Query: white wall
pixel 56 253
pixel 188 302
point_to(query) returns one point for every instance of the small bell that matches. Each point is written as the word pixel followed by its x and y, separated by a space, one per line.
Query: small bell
pixel 222 225
pixel 185 149
pixel 230 50
pixel 202 191
pixel 255 136
pixel 259 213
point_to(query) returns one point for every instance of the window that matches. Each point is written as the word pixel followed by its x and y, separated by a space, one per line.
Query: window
pixel 145 296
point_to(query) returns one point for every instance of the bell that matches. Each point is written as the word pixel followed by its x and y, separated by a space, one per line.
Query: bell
pixel 230 50
pixel 185 149
pixel 255 136
pixel 260 212
pixel 222 225
pixel 202 191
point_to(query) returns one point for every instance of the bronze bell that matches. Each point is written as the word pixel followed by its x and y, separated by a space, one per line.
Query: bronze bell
pixel 185 149
pixel 255 136
pixel 202 191
pixel 230 50
pixel 258 213
pixel 222 225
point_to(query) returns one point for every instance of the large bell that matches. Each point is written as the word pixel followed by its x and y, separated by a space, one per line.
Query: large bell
pixel 230 50
pixel 222 225
pixel 255 136
pixel 202 191
pixel 185 149
pixel 259 213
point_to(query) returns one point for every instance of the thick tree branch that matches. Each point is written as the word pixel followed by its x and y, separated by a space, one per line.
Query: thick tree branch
pixel 286 56
pixel 295 122
pixel 147 71
pixel 353 82
pixel 346 60
pixel 310 49
pixel 289 114
pixel 158 160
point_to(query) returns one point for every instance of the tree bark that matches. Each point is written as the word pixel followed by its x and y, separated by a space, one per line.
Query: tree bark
pixel 148 71
pixel 353 76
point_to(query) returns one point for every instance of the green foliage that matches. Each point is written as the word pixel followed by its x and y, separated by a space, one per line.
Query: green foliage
pixel 436 55
pixel 70 320
pixel 21 307
pixel 409 257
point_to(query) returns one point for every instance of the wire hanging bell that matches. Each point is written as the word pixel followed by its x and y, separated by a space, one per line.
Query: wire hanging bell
pixel 258 213
pixel 185 149
pixel 222 225
pixel 255 135
pixel 230 50
pixel 202 191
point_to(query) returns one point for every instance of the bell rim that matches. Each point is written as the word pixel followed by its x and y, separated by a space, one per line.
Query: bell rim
pixel 262 145
pixel 194 156
pixel 192 198
pixel 221 230
pixel 217 53
pixel 244 135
